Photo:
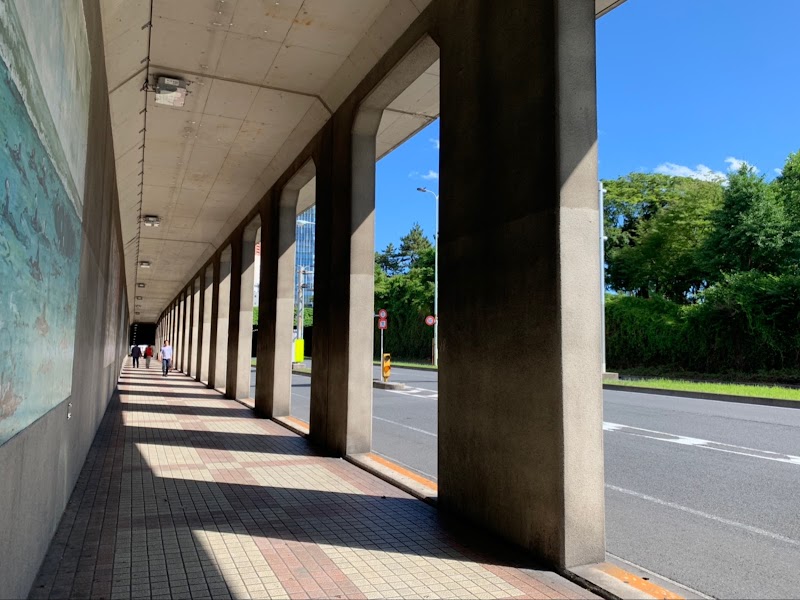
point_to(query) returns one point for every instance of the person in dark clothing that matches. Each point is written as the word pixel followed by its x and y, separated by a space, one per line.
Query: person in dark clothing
pixel 136 354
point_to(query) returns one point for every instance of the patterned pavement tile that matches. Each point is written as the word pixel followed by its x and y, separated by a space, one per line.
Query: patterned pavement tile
pixel 185 494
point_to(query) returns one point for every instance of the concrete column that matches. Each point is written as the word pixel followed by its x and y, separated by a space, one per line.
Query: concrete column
pixel 172 325
pixel 178 344
pixel 195 331
pixel 341 388
pixel 223 295
pixel 240 370
pixel 212 343
pixel 276 304
pixel 184 359
pixel 206 291
pixel 190 325
pixel 520 400
pixel 176 332
pixel 232 375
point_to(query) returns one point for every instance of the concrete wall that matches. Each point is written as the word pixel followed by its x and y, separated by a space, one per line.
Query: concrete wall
pixel 40 464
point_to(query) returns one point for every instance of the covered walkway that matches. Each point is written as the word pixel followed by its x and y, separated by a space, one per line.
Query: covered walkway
pixel 185 494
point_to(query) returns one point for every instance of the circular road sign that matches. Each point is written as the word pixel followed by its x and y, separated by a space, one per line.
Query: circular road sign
pixel 382 313
pixel 430 320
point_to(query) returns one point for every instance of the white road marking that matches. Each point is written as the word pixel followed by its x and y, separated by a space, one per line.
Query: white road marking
pixel 417 393
pixel 406 426
pixel 705 515
pixel 704 444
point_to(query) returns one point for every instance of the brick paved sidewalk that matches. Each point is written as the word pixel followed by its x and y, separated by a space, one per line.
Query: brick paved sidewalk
pixel 187 495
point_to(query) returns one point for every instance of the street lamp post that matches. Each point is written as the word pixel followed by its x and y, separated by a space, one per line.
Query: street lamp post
pixel 435 280
pixel 601 199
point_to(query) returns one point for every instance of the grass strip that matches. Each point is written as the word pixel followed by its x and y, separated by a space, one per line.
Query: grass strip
pixel 731 389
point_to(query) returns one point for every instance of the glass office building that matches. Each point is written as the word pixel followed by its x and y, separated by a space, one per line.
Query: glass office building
pixel 304 252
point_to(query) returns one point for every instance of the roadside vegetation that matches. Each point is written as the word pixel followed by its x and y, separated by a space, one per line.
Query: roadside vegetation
pixel 731 389
pixel 705 274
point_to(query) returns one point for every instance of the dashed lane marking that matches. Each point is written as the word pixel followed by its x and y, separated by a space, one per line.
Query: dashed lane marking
pixel 406 426
pixel 682 440
pixel 705 515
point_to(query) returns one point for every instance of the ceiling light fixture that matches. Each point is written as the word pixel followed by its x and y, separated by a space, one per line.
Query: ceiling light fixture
pixel 139 297
pixel 170 91
pixel 145 264
pixel 141 285
pixel 151 220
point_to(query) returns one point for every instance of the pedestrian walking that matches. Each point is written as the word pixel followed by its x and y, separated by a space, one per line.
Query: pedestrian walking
pixel 136 354
pixel 148 355
pixel 166 357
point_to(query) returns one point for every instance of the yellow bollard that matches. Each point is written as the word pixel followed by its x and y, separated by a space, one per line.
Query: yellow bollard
pixel 386 364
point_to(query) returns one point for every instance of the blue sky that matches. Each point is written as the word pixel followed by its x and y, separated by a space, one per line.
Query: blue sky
pixel 687 87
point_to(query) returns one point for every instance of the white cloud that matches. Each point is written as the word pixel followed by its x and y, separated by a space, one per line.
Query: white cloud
pixel 431 174
pixel 734 164
pixel 700 172
pixel 778 172
pixel 435 143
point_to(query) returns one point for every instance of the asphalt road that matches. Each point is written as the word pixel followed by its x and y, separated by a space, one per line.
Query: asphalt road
pixel 704 493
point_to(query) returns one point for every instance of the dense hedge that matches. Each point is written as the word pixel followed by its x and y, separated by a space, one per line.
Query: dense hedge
pixel 408 337
pixel 748 322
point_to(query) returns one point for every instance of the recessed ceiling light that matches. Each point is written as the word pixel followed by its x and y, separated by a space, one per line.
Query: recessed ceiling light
pixel 145 264
pixel 141 285
pixel 139 297
pixel 151 220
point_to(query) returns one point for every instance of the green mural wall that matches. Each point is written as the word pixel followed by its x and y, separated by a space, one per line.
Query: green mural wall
pixel 44 75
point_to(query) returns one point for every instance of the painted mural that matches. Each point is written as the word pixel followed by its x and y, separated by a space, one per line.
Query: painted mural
pixel 41 172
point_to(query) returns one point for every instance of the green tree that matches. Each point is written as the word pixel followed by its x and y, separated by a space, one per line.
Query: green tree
pixel 656 226
pixel 389 261
pixel 750 229
pixel 788 188
pixel 407 293
pixel 412 245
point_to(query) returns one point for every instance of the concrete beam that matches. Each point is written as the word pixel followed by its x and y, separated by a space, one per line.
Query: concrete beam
pixel 603 7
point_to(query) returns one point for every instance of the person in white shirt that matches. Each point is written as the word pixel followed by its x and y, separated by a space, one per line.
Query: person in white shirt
pixel 166 357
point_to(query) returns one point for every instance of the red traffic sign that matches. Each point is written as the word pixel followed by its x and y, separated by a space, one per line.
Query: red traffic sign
pixel 383 324
pixel 382 313
pixel 430 320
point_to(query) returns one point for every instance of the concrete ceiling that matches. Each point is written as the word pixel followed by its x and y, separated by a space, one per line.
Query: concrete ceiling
pixel 264 77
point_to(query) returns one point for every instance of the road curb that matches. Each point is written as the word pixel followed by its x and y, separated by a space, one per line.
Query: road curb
pixel 378 385
pixel 424 369
pixel 774 402
pixel 387 385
